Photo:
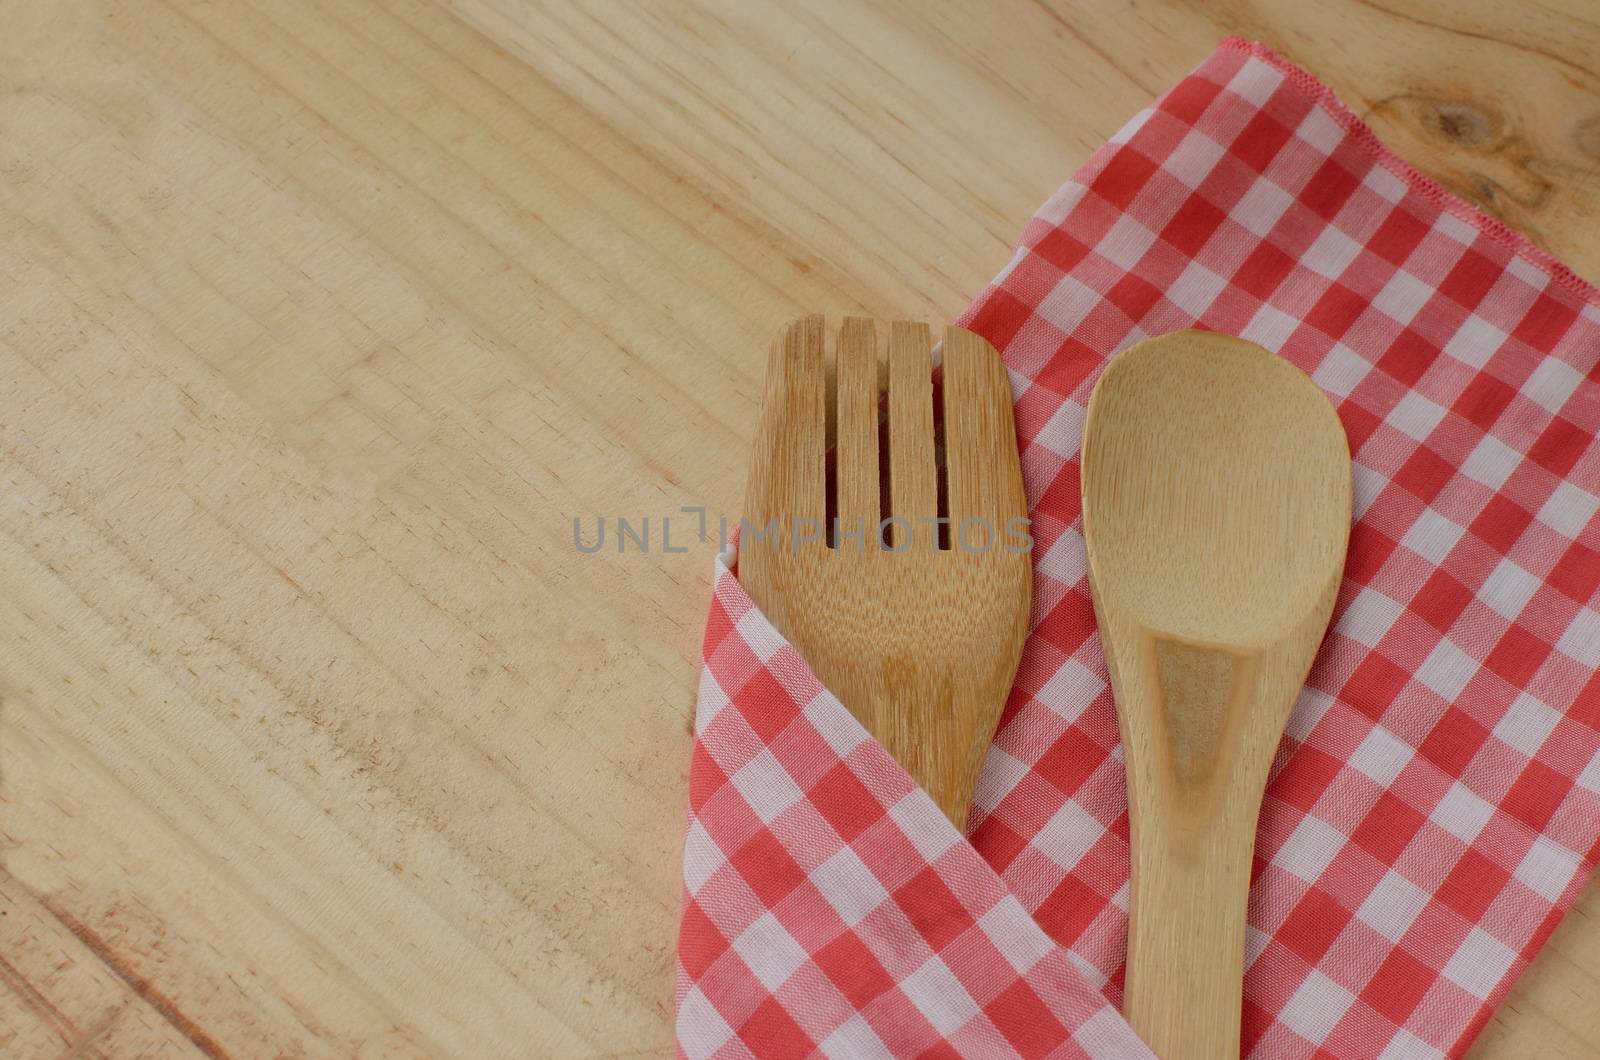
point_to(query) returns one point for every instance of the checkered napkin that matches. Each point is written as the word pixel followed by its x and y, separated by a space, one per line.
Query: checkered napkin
pixel 1435 805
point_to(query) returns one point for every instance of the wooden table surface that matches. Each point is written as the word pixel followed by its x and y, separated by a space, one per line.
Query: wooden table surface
pixel 320 321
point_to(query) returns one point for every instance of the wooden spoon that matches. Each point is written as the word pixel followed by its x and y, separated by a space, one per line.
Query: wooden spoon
pixel 920 642
pixel 1216 510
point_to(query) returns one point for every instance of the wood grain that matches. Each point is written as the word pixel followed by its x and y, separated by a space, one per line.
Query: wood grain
pixel 320 321
pixel 1216 511
pixel 917 631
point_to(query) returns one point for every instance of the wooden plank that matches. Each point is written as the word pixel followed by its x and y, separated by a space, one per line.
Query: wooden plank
pixel 320 322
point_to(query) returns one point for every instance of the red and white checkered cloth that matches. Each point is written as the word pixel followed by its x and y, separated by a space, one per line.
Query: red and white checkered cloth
pixel 1435 805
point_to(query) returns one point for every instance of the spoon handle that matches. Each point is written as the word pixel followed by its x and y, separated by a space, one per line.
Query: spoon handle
pixel 1186 951
pixel 1197 779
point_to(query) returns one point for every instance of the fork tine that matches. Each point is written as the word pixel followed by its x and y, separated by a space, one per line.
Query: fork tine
pixel 913 481
pixel 977 430
pixel 856 373
pixel 789 484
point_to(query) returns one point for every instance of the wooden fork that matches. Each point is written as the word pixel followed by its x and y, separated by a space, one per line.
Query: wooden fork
pixel 917 632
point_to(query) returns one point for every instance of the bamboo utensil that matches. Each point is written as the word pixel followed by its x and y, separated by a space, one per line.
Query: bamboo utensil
pixel 919 633
pixel 1216 511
